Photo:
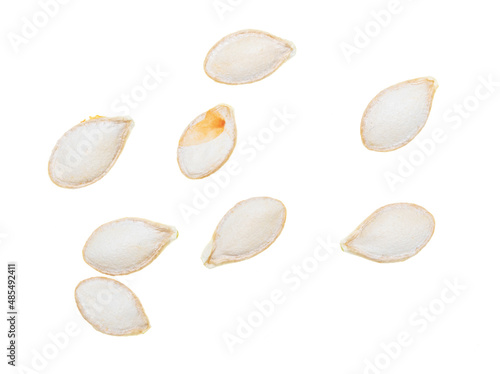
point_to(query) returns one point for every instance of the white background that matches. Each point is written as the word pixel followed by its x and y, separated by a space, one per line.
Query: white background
pixel 92 52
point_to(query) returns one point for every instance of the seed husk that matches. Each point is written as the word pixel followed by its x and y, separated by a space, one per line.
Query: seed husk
pixel 247 56
pixel 397 114
pixel 392 233
pixel 111 307
pixel 127 245
pixel 246 230
pixel 87 152
pixel 207 142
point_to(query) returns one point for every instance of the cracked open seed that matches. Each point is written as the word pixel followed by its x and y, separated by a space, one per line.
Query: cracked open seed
pixel 207 143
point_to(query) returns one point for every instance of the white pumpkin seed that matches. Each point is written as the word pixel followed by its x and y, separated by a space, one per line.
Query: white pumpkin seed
pixel 111 307
pixel 207 143
pixel 86 153
pixel 397 114
pixel 127 245
pixel 392 233
pixel 246 230
pixel 247 56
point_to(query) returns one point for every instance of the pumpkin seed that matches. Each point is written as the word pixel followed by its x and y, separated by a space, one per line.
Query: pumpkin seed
pixel 392 233
pixel 246 230
pixel 247 56
pixel 397 114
